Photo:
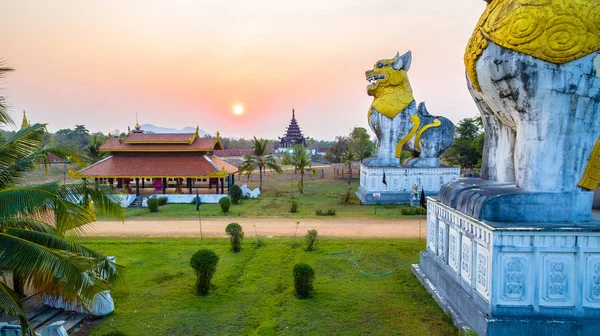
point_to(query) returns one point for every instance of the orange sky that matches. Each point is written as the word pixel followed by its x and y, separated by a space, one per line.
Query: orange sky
pixel 186 63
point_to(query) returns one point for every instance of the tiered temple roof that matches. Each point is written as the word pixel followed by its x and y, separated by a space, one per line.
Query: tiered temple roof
pixel 140 154
pixel 293 135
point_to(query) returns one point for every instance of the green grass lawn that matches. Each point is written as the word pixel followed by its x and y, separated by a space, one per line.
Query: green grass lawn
pixel 253 292
pixel 276 202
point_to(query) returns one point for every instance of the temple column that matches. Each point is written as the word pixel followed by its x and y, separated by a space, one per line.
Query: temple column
pixel 164 185
pixel 137 186
pixel 96 183
pixel 110 181
pixel 222 185
pixel 143 180
pixel 232 179
pixel 119 183
pixel 189 183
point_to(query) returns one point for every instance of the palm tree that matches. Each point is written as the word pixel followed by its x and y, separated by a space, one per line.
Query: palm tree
pixel 92 151
pixel 301 161
pixel 35 221
pixel 260 160
pixel 347 159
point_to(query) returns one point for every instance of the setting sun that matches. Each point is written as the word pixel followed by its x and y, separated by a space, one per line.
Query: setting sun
pixel 238 109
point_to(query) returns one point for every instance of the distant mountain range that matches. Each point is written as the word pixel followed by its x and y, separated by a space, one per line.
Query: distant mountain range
pixel 156 129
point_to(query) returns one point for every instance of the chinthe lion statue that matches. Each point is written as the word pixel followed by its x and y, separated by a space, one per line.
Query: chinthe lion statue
pixel 398 123
pixel 534 71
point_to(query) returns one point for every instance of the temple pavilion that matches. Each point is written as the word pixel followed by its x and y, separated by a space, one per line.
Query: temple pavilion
pixel 293 135
pixel 154 163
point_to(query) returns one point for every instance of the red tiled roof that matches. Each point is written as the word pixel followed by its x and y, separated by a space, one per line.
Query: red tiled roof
pixel 189 166
pixel 153 138
pixel 223 165
pixel 199 145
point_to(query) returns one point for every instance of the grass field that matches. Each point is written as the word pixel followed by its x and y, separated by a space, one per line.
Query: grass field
pixel 253 291
pixel 275 201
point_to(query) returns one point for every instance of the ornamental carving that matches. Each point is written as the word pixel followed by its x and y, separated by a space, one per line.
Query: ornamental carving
pixel 441 237
pixel 596 280
pixel 452 250
pixel 465 261
pixel 556 31
pixel 514 279
pixel 557 279
pixel 482 270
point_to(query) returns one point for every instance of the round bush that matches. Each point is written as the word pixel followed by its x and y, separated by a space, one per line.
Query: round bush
pixel 162 200
pixel 204 262
pixel 225 203
pixel 153 204
pixel 294 206
pixel 235 192
pixel 303 279
pixel 236 234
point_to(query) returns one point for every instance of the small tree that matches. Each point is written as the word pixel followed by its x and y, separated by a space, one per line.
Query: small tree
pixel 347 158
pixel 301 161
pixel 236 234
pixel 260 160
pixel 225 204
pixel 204 262
pixel 311 239
pixel 303 279
pixel 153 204
pixel 235 192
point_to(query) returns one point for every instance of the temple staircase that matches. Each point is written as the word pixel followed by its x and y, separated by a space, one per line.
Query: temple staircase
pixel 137 203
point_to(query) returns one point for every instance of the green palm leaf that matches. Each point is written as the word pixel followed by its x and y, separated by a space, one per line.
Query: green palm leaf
pixel 11 303
pixel 51 271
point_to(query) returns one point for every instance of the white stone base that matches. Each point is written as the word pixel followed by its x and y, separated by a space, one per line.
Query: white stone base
pixel 520 271
pixel 400 181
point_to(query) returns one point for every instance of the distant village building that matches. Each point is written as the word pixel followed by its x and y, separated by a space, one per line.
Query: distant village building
pixel 180 162
pixel 293 136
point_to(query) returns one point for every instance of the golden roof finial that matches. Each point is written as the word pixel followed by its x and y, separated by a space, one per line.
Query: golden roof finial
pixel 197 131
pixel 128 130
pixel 218 135
pixel 25 122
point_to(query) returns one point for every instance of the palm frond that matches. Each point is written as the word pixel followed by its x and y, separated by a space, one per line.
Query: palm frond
pixel 11 303
pixel 16 150
pixel 27 200
pixel 51 271
pixel 5 118
pixel 27 224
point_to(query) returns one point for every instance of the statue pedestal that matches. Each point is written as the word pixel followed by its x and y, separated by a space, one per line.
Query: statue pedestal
pixel 513 278
pixel 400 181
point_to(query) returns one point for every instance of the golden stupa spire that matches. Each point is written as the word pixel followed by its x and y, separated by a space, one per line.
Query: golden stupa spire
pixel 25 122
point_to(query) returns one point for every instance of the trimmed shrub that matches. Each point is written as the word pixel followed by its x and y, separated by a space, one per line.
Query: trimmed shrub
pixel 235 192
pixel 236 234
pixel 303 279
pixel 310 239
pixel 162 200
pixel 204 262
pixel 225 204
pixel 153 204
pixel 330 212
pixel 294 208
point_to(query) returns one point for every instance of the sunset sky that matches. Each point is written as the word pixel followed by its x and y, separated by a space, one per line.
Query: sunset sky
pixel 187 63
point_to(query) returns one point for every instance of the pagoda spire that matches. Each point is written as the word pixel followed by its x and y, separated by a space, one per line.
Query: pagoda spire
pixel 25 122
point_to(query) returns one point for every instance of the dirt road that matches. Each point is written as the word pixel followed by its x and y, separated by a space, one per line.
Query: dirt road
pixel 215 227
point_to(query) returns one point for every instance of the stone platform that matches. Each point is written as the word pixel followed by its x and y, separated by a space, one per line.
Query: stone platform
pixel 513 278
pixel 400 181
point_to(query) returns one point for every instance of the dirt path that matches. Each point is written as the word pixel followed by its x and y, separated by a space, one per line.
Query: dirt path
pixel 215 227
